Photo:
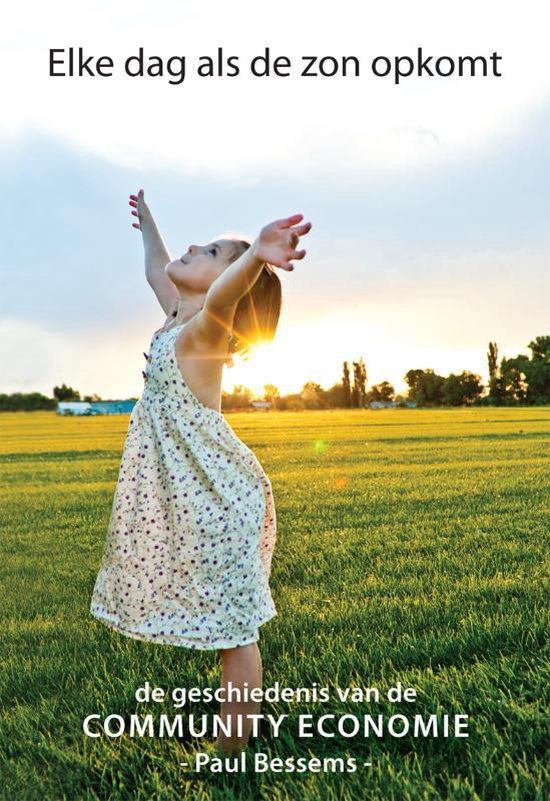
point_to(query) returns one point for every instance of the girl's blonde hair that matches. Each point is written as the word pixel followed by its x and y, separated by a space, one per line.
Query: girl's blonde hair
pixel 257 313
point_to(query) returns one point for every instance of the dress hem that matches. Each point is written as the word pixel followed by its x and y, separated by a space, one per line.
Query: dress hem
pixel 179 641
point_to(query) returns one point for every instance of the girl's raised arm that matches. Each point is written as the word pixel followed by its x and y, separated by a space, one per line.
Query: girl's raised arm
pixel 155 252
pixel 276 244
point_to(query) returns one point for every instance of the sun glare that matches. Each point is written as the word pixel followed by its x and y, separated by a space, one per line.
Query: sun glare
pixel 265 364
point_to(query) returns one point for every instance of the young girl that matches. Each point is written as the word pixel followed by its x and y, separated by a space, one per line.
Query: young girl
pixel 193 527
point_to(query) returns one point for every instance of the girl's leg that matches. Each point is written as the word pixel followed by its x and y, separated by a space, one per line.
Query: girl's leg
pixel 239 665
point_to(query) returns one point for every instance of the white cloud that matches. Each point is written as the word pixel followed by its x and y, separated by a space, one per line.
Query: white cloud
pixel 243 127
pixel 35 358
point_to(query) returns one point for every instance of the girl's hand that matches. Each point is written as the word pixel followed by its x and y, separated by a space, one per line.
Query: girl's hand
pixel 141 209
pixel 276 243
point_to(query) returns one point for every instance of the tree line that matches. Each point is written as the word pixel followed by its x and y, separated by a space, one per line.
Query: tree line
pixel 33 401
pixel 521 380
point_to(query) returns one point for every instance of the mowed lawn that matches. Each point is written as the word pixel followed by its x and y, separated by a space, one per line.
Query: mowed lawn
pixel 411 548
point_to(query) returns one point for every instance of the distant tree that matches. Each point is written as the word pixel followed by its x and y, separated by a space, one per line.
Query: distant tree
pixel 425 387
pixel 513 373
pixel 65 393
pixel 239 398
pixel 271 394
pixel 91 398
pixel 26 402
pixel 346 386
pixel 432 388
pixel 354 393
pixel 525 379
pixel 461 390
pixel 313 396
pixel 334 396
pixel 291 403
pixel 359 389
pixel 383 392
pixel 496 390
pixel 537 371
pixel 538 382
pixel 540 349
pixel 414 379
pixel 492 359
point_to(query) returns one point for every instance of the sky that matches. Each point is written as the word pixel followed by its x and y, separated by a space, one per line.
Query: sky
pixel 430 201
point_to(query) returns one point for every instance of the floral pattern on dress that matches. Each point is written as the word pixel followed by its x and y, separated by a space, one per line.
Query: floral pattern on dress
pixel 192 529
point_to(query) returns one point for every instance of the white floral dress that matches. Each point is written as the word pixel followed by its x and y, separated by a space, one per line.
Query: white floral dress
pixel 192 528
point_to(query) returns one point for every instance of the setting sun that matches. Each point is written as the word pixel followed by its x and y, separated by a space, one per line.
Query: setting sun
pixel 267 363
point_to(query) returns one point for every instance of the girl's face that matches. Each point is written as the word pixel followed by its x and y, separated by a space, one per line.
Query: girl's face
pixel 199 267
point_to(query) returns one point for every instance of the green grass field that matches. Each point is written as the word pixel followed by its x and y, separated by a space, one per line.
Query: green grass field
pixel 411 548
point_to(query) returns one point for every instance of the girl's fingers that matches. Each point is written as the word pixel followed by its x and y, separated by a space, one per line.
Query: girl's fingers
pixel 135 214
pixel 132 203
pixel 288 221
pixel 136 225
pixel 298 254
pixel 303 229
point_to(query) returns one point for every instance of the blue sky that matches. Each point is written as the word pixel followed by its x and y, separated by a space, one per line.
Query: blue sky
pixel 417 258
